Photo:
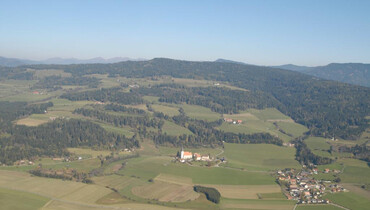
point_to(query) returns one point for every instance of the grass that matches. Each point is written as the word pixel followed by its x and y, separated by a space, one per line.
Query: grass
pixel 49 72
pixel 349 200
pixel 269 114
pixel 249 191
pixel 317 143
pixel 166 192
pixel 14 87
pixel 67 190
pixel 227 203
pixel 317 207
pixel 355 174
pixel 262 121
pixel 151 99
pixel 259 156
pixel 292 128
pixel 89 152
pixel 18 200
pixel 174 130
pixel 122 130
pixel 149 167
pixel 200 112
pixel 167 110
pixel 60 108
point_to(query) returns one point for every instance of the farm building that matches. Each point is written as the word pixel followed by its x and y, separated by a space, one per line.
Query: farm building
pixel 186 155
pixel 197 156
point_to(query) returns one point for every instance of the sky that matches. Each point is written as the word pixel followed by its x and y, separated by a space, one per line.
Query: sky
pixel 262 32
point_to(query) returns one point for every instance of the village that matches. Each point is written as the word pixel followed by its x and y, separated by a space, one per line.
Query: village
pixel 303 187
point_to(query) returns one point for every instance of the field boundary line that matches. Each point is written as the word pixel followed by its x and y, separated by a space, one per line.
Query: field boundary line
pixel 339 206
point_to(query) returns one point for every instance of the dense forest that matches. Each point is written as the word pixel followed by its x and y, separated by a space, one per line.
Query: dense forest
pixel 55 82
pixel 222 100
pixel 211 193
pixel 104 95
pixel 53 138
pixel 326 107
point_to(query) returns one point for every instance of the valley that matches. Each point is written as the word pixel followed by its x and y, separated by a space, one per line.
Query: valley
pixel 118 134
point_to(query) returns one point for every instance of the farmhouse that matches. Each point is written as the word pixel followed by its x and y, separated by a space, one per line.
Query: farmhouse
pixel 197 156
pixel 205 158
pixel 229 120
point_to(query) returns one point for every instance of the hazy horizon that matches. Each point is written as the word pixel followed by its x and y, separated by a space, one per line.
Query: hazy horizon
pixel 308 33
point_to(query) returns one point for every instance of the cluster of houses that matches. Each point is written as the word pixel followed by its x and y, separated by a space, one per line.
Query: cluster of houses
pixel 186 156
pixel 24 162
pixel 301 186
pixel 229 120
pixel 37 93
pixel 288 144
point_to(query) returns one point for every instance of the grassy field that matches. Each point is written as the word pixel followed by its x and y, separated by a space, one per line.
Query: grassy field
pixel 355 171
pixel 54 188
pixel 149 167
pixel 175 130
pixel 151 99
pixel 292 128
pixel 349 200
pixel 257 121
pixel 317 207
pixel 259 156
pixel 89 152
pixel 19 200
pixel 123 130
pixel 168 110
pixel 200 112
pixel 14 87
pixel 39 74
pixel 317 143
pixel 166 192
pixel 269 114
pixel 60 108
pixel 249 191
pixel 227 203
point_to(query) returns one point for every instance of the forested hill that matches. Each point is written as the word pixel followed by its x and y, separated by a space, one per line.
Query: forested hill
pixel 326 107
pixel 352 73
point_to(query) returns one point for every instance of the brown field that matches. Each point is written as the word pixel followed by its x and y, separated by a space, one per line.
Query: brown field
pixel 52 188
pixel 256 206
pixel 245 191
pixel 30 122
pixel 167 192
pixel 174 179
pixel 61 205
pixel 115 181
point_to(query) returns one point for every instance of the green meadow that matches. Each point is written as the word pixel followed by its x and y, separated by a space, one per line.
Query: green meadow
pixel 19 200
pixel 262 157
pixel 268 120
pixel 174 130
pixel 349 200
pixel 149 167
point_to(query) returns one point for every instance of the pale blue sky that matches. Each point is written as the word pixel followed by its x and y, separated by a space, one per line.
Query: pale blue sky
pixel 257 32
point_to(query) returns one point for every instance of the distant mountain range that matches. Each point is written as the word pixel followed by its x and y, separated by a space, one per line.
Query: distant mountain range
pixel 12 62
pixel 352 73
